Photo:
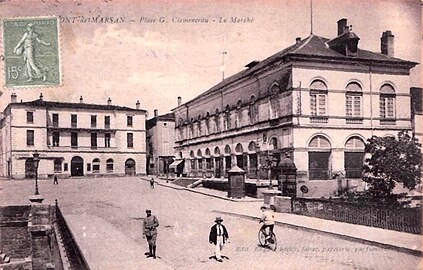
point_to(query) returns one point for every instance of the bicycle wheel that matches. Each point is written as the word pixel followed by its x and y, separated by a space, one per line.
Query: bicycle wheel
pixel 272 243
pixel 261 238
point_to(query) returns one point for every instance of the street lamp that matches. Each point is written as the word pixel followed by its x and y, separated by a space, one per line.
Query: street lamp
pixel 36 160
pixel 273 164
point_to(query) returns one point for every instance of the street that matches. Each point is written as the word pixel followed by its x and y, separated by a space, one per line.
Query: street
pixel 185 219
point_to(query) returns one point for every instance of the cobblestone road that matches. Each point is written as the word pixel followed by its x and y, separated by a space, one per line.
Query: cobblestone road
pixel 185 219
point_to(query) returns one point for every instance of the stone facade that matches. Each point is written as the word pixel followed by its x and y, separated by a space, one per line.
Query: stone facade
pixel 72 139
pixel 160 143
pixel 317 100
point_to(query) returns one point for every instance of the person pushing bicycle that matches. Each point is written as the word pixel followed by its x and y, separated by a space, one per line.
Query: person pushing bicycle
pixel 268 220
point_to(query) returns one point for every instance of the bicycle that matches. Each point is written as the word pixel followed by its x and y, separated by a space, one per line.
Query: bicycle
pixel 270 243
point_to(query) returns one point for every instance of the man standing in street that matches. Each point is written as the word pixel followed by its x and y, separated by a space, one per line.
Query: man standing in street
pixel 150 231
pixel 218 236
pixel 55 182
pixel 152 182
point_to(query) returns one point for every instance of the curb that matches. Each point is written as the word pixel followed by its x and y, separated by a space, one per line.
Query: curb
pixel 409 251
pixel 204 193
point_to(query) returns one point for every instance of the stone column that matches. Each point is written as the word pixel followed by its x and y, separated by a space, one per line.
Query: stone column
pixel 41 229
pixel 223 168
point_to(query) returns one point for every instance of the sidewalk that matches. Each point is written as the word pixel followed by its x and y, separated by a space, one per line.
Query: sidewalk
pixel 105 247
pixel 399 241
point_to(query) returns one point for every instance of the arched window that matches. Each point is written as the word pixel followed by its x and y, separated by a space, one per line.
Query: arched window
pixel 239 148
pixel 191 154
pixel 274 101
pixel 207 152
pixel 253 110
pixel 354 157
pixel 252 146
pixel 227 119
pixel 199 153
pixel 216 151
pixel 239 104
pixel 227 150
pixel 274 143
pixel 318 98
pixel 200 159
pixel 319 153
pixel 353 100
pixel 58 165
pixel 96 165
pixel 109 165
pixel 387 101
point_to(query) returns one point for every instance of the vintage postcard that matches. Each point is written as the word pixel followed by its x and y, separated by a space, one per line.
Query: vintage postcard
pixel 192 134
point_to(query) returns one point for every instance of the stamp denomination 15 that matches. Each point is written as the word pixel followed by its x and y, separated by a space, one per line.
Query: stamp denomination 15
pixel 31 52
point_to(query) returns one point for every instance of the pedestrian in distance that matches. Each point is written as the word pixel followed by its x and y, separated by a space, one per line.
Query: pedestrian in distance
pixel 152 182
pixel 150 225
pixel 55 182
pixel 218 236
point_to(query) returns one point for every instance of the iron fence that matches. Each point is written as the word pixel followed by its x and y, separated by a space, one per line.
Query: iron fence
pixel 399 219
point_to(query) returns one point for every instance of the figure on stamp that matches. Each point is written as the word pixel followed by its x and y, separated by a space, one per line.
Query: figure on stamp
pixel 26 48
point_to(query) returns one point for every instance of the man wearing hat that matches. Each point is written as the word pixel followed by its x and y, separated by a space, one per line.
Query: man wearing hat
pixel 218 236
pixel 150 231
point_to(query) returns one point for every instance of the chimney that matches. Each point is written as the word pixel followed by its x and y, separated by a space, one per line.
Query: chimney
pixel 156 113
pixel 387 43
pixel 138 105
pixel 342 26
pixel 179 101
pixel 41 96
pixel 297 40
pixel 81 99
pixel 109 101
pixel 13 98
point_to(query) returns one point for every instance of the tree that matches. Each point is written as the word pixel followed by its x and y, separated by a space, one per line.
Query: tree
pixel 393 160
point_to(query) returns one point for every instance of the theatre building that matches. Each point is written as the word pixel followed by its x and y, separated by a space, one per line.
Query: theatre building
pixel 71 139
pixel 317 100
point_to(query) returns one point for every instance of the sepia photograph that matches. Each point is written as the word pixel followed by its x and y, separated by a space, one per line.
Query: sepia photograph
pixel 221 134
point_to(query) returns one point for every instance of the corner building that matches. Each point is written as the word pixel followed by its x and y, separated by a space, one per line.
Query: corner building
pixel 72 139
pixel 318 100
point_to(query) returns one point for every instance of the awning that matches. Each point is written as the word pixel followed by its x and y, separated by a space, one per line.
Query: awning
pixel 175 163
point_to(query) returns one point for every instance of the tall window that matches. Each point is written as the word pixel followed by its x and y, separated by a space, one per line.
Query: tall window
pixel 354 157
pixel 93 140
pixel 387 101
pixel 55 119
pixel 319 158
pixel 30 117
pixel 74 139
pixel 109 165
pixel 74 120
pixel 253 110
pixel 107 121
pixel 227 119
pixel 96 165
pixel 274 101
pixel 107 139
pixel 130 140
pixel 93 121
pixel 29 137
pixel 56 138
pixel 57 165
pixel 318 98
pixel 353 100
pixel 129 120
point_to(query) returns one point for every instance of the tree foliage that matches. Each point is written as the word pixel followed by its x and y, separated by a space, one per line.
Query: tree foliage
pixel 393 160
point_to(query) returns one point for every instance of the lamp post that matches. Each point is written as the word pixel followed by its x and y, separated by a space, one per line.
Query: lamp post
pixel 36 160
pixel 36 198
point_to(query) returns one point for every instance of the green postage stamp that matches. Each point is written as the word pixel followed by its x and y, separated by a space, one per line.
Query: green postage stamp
pixel 31 52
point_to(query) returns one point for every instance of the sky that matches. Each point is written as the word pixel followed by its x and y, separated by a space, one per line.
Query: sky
pixel 149 55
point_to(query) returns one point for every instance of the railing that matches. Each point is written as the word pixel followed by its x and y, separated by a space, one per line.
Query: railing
pixel 318 119
pixel 73 253
pixel 399 219
pixel 355 121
